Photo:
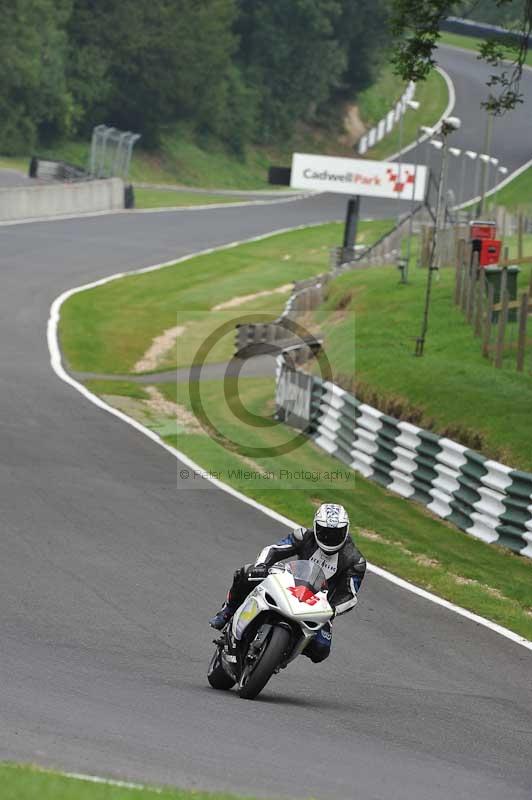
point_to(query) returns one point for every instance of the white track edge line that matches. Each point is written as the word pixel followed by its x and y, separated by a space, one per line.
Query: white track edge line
pixel 57 366
pixel 81 776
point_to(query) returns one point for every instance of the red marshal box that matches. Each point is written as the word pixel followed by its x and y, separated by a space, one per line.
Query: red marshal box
pixel 490 252
pixel 482 230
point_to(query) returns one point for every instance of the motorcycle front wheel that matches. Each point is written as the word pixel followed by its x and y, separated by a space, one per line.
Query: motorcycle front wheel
pixel 217 676
pixel 255 678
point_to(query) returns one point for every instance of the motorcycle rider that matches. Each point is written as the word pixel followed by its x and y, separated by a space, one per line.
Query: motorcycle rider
pixel 329 545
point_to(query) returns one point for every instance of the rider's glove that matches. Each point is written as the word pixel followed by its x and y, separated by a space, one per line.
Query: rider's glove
pixel 258 572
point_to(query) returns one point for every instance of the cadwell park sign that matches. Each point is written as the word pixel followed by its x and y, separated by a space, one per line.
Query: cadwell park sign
pixel 360 177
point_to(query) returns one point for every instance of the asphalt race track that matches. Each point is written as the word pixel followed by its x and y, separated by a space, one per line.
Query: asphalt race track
pixel 110 567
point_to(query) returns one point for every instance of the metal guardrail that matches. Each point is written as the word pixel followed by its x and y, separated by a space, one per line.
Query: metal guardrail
pixel 468 27
pixel 253 338
pixel 482 497
pixel 384 250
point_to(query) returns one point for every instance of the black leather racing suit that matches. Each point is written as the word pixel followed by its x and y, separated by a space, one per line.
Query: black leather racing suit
pixel 344 571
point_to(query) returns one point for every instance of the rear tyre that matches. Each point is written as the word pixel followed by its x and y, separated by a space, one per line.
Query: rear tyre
pixel 254 681
pixel 217 676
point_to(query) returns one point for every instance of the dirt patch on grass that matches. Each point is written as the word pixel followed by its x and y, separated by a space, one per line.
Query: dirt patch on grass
pixel 246 298
pixel 158 348
pixel 425 561
pixel 159 406
pixel 372 535
pixel 156 412
pixel 491 590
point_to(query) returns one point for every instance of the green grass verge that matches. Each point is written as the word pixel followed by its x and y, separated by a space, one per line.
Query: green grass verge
pixel 471 43
pixel 516 195
pixel 19 782
pixel 19 164
pixel 109 328
pixel 173 198
pixel 433 97
pixel 395 534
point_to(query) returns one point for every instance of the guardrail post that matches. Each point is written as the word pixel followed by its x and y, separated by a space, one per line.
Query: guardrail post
pixel 460 250
pixel 479 302
pixel 503 319
pixel 488 321
pixel 521 339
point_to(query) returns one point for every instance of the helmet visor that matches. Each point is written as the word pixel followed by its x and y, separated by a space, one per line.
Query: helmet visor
pixel 330 537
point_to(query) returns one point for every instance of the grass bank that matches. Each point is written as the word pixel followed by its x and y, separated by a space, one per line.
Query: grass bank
pixel 29 783
pixel 516 195
pixel 173 198
pixel 97 328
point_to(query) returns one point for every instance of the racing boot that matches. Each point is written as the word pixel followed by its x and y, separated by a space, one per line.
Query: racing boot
pixel 223 616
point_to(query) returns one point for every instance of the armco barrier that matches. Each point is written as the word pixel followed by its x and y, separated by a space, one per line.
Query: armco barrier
pixel 384 251
pixel 47 169
pixel 467 27
pixel 485 499
pixel 58 199
pixel 272 336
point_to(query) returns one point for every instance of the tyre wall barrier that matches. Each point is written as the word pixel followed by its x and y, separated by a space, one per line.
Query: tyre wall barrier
pixel 485 499
pixel 59 199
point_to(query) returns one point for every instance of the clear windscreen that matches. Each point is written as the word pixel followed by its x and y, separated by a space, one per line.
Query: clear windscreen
pixel 306 573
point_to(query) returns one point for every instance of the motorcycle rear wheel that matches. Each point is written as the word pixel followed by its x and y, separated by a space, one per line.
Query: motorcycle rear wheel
pixel 217 676
pixel 254 681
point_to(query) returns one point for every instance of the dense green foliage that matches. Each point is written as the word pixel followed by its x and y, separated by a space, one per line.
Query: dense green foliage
pixel 243 70
pixel 34 95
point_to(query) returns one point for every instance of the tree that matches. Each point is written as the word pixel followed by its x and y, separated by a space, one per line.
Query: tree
pixel 362 32
pixel 34 99
pixel 149 62
pixel 289 54
pixel 416 23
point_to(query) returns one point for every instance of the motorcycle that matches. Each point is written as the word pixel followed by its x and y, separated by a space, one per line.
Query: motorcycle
pixel 271 627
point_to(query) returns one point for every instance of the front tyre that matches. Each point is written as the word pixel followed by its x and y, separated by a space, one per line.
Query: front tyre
pixel 255 678
pixel 217 676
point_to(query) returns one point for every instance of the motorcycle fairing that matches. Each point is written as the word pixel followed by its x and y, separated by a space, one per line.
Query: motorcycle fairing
pixel 276 593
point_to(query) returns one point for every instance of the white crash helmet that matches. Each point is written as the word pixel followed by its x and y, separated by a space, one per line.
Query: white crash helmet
pixel 331 527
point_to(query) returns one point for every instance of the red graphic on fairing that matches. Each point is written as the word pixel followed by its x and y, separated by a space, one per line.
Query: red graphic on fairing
pixel 399 184
pixel 304 595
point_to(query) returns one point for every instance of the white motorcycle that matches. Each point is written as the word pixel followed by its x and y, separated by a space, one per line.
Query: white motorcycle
pixel 271 628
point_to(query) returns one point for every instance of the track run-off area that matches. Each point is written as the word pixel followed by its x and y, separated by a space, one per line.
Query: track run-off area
pixel 110 568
